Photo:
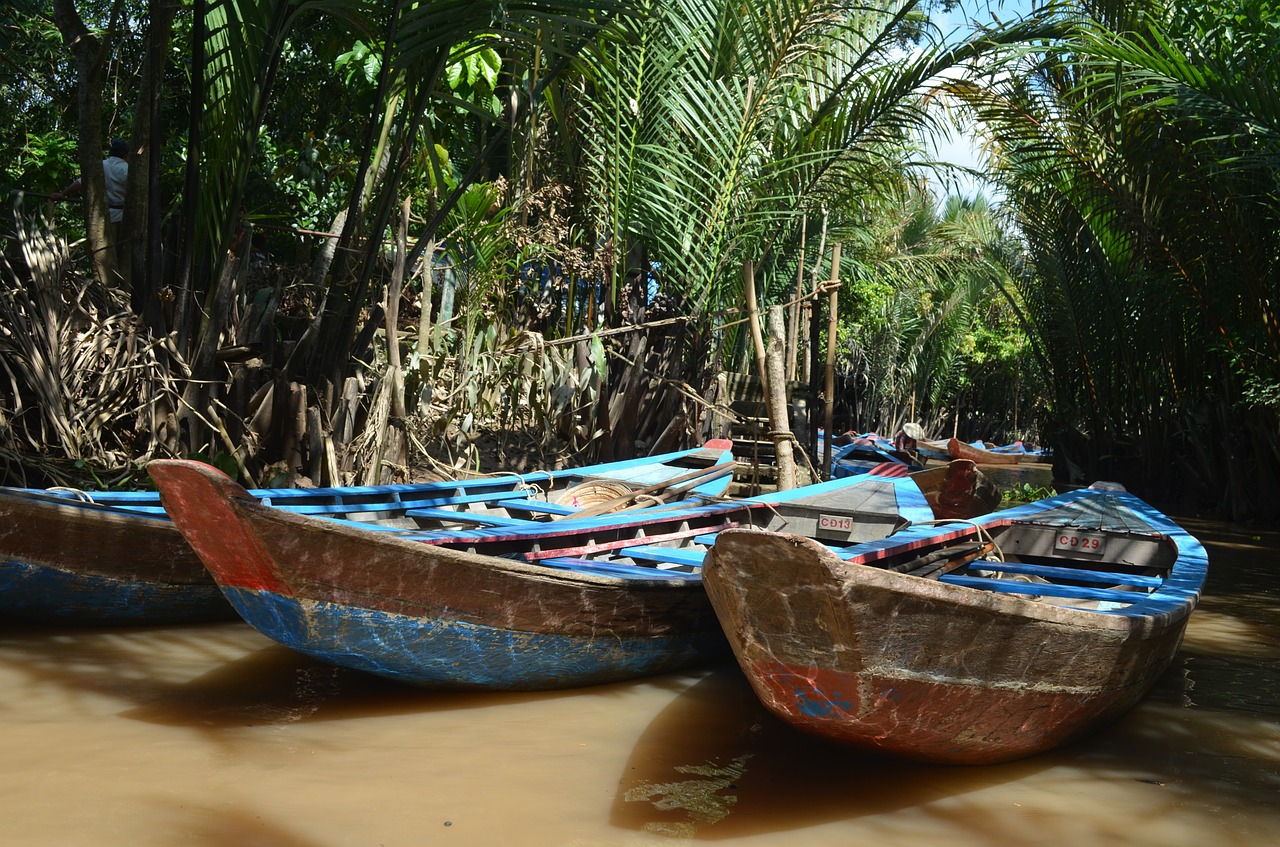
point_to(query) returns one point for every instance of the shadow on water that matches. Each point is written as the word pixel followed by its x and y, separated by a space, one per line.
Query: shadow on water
pixel 217 675
pixel 714 764
pixel 217 826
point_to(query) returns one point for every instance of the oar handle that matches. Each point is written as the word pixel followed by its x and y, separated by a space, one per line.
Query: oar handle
pixel 690 480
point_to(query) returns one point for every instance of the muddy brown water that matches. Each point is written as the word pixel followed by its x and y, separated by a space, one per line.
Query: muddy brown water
pixel 213 735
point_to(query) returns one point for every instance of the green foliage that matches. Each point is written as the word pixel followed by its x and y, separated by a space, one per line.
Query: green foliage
pixel 1140 157
pixel 223 461
pixel 926 333
pixel 710 128
pixel 44 161
pixel 1025 493
pixel 361 65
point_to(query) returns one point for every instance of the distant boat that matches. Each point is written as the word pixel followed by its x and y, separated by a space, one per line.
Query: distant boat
pixel 115 558
pixel 962 643
pixel 957 449
pixel 861 453
pixel 1034 453
pixel 933 449
pixel 578 602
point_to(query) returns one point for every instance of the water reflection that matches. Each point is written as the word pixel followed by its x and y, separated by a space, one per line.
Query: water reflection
pixel 215 736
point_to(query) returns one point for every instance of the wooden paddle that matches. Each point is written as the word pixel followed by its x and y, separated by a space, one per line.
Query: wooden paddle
pixel 934 565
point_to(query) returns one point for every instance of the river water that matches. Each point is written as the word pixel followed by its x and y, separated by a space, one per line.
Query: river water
pixel 213 735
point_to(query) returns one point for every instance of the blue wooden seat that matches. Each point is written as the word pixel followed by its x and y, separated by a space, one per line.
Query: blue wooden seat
pixel 686 556
pixel 1043 589
pixel 1053 572
pixel 450 516
pixel 400 505
pixel 524 504
pixel 579 565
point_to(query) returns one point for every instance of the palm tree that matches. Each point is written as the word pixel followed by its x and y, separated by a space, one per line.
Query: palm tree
pixel 1140 157
pixel 935 334
pixel 712 128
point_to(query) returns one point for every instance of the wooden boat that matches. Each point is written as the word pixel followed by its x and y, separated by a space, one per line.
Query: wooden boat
pixel 862 453
pixel 933 449
pixel 962 644
pixel 114 557
pixel 1035 454
pixel 578 602
pixel 957 449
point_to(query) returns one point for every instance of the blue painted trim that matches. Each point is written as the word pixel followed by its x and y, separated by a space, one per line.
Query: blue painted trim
pixel 42 593
pixel 1077 574
pixel 1181 587
pixel 1042 589
pixel 443 492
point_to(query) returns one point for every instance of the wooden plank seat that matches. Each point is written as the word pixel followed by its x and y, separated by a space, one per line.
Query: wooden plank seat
pixel 1077 574
pixel 592 547
pixel 524 504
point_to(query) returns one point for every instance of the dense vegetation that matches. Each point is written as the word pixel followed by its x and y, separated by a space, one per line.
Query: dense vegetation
pixel 364 236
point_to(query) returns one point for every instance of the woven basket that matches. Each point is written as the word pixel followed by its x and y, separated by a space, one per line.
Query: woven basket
pixel 593 492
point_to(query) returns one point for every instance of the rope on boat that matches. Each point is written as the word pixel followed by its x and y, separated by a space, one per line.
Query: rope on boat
pixel 78 493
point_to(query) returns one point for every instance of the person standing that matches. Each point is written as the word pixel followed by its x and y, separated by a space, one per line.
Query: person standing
pixel 115 171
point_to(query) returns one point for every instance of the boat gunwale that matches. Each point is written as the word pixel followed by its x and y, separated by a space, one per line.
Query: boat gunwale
pixel 1173 600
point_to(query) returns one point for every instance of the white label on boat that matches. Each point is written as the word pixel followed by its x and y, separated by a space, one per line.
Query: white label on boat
pixel 1079 542
pixel 836 522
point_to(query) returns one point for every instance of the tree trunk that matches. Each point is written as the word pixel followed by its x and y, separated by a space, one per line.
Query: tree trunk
pixel 807 312
pixel 753 321
pixel 832 327
pixel 778 401
pixel 393 443
pixel 793 318
pixel 139 250
pixel 90 55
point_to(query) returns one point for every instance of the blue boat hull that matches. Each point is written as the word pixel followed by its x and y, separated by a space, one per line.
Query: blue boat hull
pixel 455 654
pixel 43 594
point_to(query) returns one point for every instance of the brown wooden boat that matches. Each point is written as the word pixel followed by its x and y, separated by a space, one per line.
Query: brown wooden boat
pixel 962 644
pixel 537 606
pixel 69 561
pixel 113 557
pixel 957 449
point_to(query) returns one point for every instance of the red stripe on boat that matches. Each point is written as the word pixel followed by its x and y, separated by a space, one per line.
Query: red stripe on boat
pixel 932 721
pixel 200 500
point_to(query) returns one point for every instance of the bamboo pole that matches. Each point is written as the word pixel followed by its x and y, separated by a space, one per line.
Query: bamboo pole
pixel 808 310
pixel 753 319
pixel 793 328
pixel 833 286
